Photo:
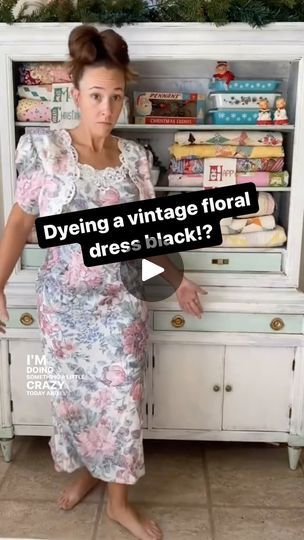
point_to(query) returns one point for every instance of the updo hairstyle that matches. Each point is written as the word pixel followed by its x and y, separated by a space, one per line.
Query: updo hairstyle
pixel 89 47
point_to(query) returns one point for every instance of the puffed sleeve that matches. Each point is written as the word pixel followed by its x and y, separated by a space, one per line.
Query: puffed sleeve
pixel 30 175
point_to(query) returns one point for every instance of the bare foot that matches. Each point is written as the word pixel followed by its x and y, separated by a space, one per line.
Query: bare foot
pixel 141 528
pixel 75 492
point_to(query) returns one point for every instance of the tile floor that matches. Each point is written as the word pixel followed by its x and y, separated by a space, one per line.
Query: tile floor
pixel 195 490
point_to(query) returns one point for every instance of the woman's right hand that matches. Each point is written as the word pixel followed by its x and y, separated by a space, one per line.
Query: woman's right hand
pixel 3 312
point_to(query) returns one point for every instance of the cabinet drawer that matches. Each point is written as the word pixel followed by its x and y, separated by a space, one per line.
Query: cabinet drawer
pixel 32 257
pixel 222 261
pixel 228 322
pixel 22 318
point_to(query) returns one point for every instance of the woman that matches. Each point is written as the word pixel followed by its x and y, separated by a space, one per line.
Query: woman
pixel 93 331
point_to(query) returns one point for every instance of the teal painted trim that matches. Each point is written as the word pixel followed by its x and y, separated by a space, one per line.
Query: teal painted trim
pixel 228 322
pixel 233 262
pixel 32 257
pixel 194 261
pixel 15 315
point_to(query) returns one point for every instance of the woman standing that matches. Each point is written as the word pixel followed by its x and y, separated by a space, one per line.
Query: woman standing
pixel 94 332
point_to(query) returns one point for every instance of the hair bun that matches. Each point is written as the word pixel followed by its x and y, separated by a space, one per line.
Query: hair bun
pixel 86 45
pixel 115 46
pixel 89 47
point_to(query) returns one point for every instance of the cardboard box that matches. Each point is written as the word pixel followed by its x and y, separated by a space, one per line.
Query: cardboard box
pixel 169 108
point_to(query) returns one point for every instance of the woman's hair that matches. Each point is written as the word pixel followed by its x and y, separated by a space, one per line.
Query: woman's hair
pixel 89 47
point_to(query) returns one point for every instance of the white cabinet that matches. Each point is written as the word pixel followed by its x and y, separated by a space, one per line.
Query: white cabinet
pixel 187 383
pixel 232 375
pixel 30 384
pixel 258 388
pixel 222 388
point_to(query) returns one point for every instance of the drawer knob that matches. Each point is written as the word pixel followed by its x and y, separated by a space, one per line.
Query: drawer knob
pixel 216 388
pixel 27 319
pixel 177 321
pixel 220 261
pixel 277 324
pixel 228 388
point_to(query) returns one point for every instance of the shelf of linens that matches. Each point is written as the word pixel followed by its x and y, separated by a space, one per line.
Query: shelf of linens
pixel 175 127
pixel 198 188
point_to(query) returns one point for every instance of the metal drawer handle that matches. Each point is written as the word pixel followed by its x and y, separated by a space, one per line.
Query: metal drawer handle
pixel 27 319
pixel 216 388
pixel 277 324
pixel 228 388
pixel 220 261
pixel 177 321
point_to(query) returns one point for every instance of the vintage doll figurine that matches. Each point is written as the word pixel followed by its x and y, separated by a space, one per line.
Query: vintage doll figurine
pixel 264 116
pixel 223 73
pixel 280 115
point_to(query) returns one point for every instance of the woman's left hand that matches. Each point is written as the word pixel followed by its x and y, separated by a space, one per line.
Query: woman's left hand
pixel 188 297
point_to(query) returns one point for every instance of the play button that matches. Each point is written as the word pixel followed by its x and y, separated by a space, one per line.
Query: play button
pixel 144 278
pixel 150 269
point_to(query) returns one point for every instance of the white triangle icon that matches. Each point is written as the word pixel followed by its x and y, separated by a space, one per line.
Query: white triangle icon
pixel 149 270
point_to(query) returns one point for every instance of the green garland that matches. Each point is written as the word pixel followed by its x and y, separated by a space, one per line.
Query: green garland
pixel 256 13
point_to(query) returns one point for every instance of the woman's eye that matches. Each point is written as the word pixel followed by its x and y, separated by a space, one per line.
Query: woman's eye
pixel 118 97
pixel 96 97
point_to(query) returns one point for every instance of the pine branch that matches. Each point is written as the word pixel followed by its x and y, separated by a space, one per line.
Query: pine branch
pixel 6 11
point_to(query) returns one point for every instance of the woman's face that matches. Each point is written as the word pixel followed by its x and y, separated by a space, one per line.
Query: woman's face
pixel 100 98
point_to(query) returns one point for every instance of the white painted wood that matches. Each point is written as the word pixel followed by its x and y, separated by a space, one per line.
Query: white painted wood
pixel 27 378
pixel 211 435
pixel 294 454
pixel 184 381
pixel 192 50
pixel 5 392
pixel 183 56
pixel 7 449
pixel 260 379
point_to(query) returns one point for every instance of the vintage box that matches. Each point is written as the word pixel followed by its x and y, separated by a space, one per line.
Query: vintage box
pixel 169 108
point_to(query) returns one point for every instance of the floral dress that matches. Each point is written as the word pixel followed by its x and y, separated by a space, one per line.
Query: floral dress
pixel 94 332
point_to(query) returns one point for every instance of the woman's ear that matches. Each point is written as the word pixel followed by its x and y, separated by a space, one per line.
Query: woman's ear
pixel 75 95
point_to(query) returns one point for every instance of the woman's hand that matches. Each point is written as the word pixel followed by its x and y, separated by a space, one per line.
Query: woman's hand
pixel 3 312
pixel 188 297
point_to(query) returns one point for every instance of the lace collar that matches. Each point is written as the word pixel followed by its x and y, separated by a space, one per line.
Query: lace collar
pixel 90 167
pixel 132 156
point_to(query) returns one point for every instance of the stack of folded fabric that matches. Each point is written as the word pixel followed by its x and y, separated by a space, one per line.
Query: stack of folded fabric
pixel 35 89
pixel 257 156
pixel 254 156
pixel 254 230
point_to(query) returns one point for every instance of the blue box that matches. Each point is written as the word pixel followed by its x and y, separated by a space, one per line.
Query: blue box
pixel 234 117
pixel 245 85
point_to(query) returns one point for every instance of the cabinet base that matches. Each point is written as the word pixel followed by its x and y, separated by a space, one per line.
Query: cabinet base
pixel 7 449
pixel 294 454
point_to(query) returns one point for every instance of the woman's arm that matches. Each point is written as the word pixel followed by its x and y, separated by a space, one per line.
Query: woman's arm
pixel 17 229
pixel 186 290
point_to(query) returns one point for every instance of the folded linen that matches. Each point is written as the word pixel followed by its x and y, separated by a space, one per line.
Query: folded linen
pixel 243 138
pixel 264 179
pixel 212 150
pixel 260 165
pixel 40 92
pixel 196 166
pixel 246 225
pixel 43 73
pixel 185 180
pixel 30 110
pixel 273 238
pixel 266 205
pixel 261 179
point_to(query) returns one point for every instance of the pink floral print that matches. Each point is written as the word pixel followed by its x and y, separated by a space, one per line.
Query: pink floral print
pixel 93 331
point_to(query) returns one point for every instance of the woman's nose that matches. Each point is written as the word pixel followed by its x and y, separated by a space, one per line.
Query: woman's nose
pixel 106 108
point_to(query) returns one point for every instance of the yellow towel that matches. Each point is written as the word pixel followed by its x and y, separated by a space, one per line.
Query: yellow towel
pixel 273 238
pixel 212 150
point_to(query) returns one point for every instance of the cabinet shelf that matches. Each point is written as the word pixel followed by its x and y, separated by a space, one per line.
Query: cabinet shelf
pixel 174 127
pixel 198 188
